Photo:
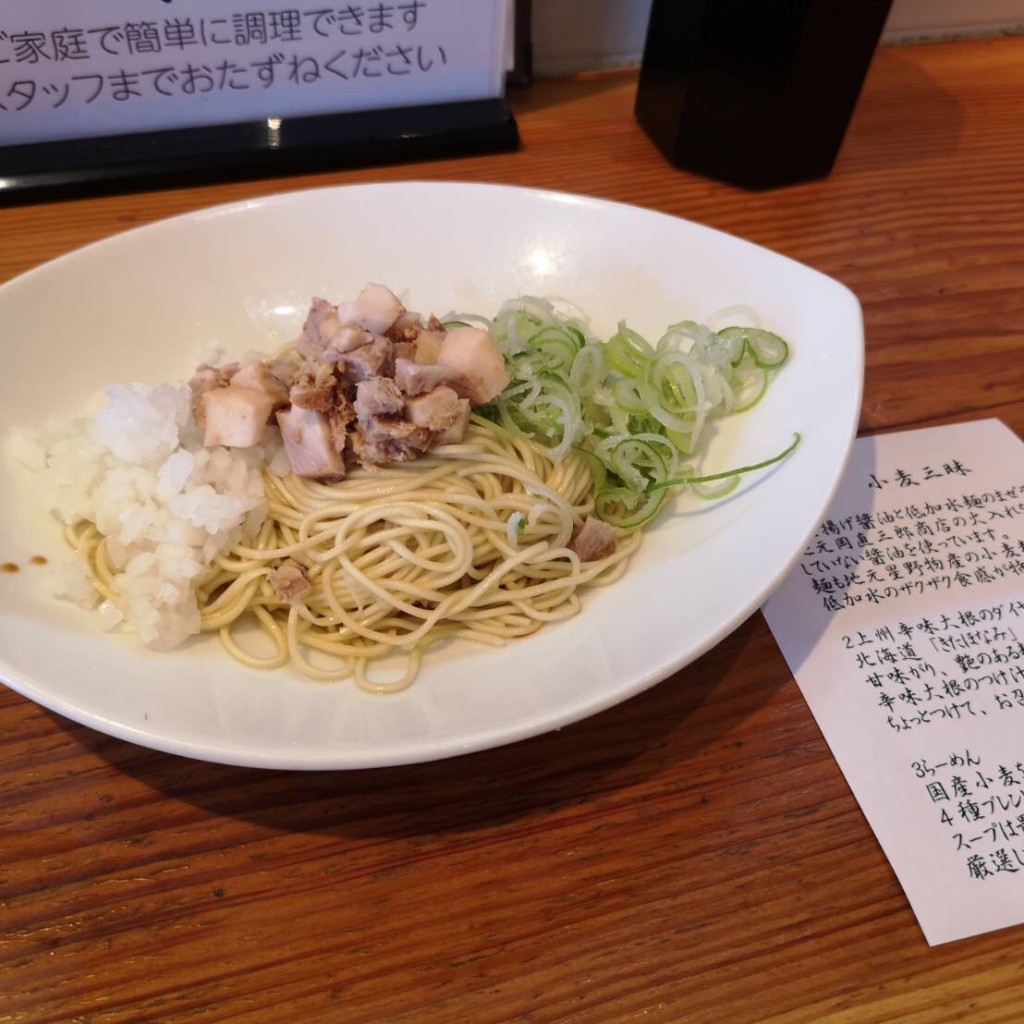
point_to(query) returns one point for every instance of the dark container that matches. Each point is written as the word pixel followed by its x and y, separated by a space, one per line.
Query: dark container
pixel 756 93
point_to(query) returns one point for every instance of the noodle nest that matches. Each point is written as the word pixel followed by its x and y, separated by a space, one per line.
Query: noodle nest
pixel 470 541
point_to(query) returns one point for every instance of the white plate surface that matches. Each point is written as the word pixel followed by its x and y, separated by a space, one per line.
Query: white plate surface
pixel 149 304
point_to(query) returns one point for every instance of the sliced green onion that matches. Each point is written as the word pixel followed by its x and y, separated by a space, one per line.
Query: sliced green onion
pixel 731 476
pixel 638 462
pixel 627 352
pixel 627 393
pixel 767 350
pixel 556 347
pixel 626 508
pixel 589 369
pixel 750 384
pixel 633 410
pixel 717 490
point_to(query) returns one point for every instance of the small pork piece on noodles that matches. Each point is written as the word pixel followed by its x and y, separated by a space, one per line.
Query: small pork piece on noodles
pixel 595 540
pixel 290 581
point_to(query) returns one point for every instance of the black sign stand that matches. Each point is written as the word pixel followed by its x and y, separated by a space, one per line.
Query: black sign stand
pixel 175 158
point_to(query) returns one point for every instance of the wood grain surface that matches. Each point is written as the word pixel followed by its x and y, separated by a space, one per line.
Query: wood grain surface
pixel 693 855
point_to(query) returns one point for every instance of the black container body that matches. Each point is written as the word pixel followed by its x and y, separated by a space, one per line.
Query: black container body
pixel 757 93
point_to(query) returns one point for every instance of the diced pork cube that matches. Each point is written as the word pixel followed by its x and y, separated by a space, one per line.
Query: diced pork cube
pixel 315 387
pixel 206 378
pixel 377 396
pixel 258 377
pixel 347 339
pixel 386 440
pixel 321 326
pixel 309 396
pixel 290 581
pixel 284 370
pixel 308 444
pixel 595 540
pixel 436 410
pixel 405 328
pixel 235 417
pixel 479 367
pixel 455 432
pixel 414 379
pixel 375 308
pixel 377 359
pixel 339 419
pixel 428 346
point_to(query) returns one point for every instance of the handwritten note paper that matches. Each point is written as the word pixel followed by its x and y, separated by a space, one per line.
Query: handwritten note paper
pixel 70 69
pixel 903 624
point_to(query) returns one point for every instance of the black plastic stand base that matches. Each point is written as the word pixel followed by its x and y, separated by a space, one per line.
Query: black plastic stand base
pixel 256 149
pixel 751 92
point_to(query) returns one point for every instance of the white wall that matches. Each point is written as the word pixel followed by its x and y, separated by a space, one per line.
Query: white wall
pixel 911 19
pixel 579 35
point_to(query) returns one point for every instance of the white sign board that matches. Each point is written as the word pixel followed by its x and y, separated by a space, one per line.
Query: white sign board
pixel 903 623
pixel 70 69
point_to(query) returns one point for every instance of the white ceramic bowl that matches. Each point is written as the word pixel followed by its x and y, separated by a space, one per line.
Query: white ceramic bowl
pixel 147 305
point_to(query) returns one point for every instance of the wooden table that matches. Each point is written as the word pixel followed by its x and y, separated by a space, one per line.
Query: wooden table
pixel 693 855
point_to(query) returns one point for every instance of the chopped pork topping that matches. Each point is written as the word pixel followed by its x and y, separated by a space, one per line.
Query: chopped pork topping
pixel 428 346
pixel 405 329
pixel 235 417
pixel 372 383
pixel 322 324
pixel 346 340
pixel 455 433
pixel 308 444
pixel 479 367
pixel 377 396
pixel 315 387
pixel 386 440
pixel 206 378
pixel 375 308
pixel 414 379
pixel 284 370
pixel 259 377
pixel 405 350
pixel 595 540
pixel 376 359
pixel 339 421
pixel 436 410
pixel 290 581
